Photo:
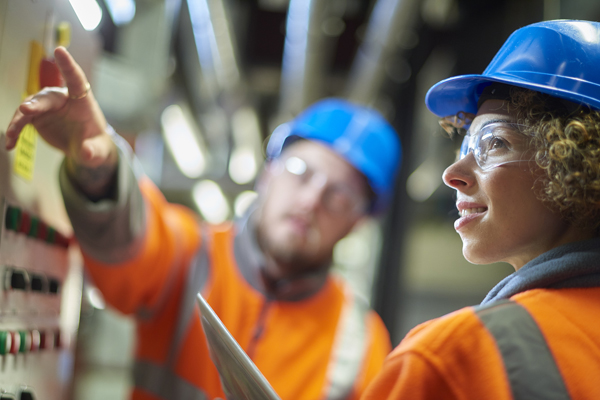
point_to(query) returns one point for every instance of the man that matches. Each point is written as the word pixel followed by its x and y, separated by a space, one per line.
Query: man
pixel 267 277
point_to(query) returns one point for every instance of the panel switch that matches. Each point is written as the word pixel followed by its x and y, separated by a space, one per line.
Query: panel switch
pixel 26 395
pixel 16 279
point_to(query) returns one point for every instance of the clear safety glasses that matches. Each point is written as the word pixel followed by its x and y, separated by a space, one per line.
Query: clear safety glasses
pixel 337 197
pixel 495 144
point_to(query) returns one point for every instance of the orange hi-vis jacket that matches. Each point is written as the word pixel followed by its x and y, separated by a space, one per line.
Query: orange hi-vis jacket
pixel 318 341
pixel 537 336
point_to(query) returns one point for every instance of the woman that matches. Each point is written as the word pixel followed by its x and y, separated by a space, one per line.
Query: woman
pixel 528 193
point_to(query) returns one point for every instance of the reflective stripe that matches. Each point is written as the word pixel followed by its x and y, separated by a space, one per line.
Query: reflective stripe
pixel 161 380
pixel 531 369
pixel 163 383
pixel 349 348
pixel 110 231
pixel 197 276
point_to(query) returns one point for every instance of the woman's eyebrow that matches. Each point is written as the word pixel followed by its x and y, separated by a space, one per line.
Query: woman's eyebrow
pixel 493 121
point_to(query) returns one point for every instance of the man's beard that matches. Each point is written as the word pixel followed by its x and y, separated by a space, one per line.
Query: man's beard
pixel 291 259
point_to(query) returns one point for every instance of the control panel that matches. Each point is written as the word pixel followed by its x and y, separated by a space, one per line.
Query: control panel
pixel 40 265
pixel 34 268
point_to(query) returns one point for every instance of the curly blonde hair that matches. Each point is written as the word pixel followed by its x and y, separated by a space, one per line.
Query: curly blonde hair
pixel 566 140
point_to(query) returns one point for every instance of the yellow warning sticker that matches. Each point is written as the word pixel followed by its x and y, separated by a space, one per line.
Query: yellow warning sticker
pixel 25 152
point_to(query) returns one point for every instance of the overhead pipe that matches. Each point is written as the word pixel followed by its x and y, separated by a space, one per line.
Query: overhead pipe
pixel 389 19
pixel 303 56
pixel 214 45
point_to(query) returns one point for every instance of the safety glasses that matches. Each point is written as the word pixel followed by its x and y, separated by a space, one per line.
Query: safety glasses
pixel 337 197
pixel 495 144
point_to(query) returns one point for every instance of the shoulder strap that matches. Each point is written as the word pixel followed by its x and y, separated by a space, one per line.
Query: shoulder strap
pixel 197 277
pixel 161 380
pixel 530 367
pixel 349 348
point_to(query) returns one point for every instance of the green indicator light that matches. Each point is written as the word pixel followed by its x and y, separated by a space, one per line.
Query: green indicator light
pixel 50 237
pixel 23 345
pixel 3 343
pixel 33 229
pixel 13 218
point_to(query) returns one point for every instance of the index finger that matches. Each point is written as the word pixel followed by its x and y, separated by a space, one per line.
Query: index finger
pixel 75 78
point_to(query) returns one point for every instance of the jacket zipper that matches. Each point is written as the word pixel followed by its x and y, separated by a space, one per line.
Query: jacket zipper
pixel 259 328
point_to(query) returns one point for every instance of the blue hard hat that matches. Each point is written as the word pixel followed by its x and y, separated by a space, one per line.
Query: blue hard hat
pixel 559 58
pixel 357 133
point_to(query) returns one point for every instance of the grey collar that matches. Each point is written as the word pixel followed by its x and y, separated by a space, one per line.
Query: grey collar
pixel 571 265
pixel 251 261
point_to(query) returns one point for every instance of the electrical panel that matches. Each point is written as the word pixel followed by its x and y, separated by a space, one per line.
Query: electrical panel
pixel 40 265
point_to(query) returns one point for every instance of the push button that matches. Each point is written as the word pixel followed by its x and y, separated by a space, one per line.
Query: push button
pixel 42 231
pixel 51 236
pixel 13 218
pixel 62 240
pixel 57 339
pixel 53 285
pixel 33 228
pixel 16 279
pixel 38 283
pixel 43 340
pixel 5 342
pixel 25 341
pixel 35 340
pixel 26 395
pixel 15 342
pixel 24 224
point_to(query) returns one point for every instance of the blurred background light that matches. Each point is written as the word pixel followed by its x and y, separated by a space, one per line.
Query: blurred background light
pixel 424 181
pixel 242 165
pixel 246 155
pixel 183 141
pixel 243 201
pixel 351 250
pixel 88 12
pixel 211 201
pixel 121 11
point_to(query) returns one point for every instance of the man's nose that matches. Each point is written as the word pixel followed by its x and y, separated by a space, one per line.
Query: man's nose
pixel 311 194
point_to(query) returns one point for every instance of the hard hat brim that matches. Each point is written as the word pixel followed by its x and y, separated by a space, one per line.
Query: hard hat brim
pixel 461 93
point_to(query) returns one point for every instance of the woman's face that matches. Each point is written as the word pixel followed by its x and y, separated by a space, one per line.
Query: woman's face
pixel 500 217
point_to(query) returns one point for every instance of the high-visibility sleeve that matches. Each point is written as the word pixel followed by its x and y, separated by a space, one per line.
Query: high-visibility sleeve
pixel 442 360
pixel 135 245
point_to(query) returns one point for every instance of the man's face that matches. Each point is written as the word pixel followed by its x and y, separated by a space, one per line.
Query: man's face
pixel 310 198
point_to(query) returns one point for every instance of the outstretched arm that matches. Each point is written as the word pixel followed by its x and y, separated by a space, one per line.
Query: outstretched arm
pixel 70 120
